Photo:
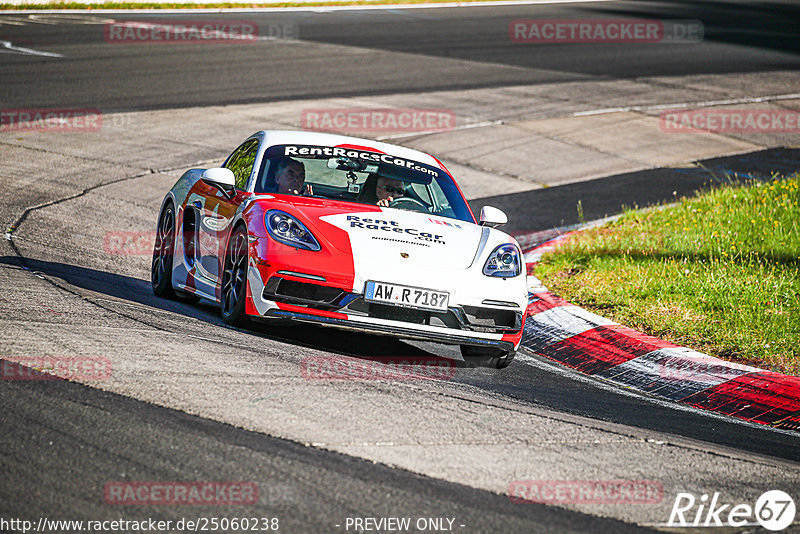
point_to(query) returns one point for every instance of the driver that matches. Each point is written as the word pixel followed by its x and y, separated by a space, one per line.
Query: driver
pixel 388 190
pixel 290 175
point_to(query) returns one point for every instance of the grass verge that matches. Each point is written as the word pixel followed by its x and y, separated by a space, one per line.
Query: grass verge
pixel 717 272
pixel 216 5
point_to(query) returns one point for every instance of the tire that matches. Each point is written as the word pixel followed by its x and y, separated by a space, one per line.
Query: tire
pixel 487 357
pixel 163 254
pixel 234 279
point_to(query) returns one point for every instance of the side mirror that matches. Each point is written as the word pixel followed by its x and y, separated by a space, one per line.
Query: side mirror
pixel 492 217
pixel 222 179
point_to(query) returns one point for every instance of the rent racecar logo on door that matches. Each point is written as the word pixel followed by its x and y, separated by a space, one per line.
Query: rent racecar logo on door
pixel 774 510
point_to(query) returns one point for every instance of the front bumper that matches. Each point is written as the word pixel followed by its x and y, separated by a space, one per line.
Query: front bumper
pixel 376 326
pixel 288 297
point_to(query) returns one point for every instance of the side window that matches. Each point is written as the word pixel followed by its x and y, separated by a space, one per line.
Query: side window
pixel 241 162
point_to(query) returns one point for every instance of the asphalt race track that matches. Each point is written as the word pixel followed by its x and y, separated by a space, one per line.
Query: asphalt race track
pixel 191 399
pixel 379 52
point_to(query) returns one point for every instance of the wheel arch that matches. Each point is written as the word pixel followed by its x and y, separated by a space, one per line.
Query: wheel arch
pixel 239 222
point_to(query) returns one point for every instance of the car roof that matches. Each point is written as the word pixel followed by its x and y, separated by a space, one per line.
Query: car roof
pixel 286 137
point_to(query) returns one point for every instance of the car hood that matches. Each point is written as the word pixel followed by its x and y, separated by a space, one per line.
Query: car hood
pixel 393 237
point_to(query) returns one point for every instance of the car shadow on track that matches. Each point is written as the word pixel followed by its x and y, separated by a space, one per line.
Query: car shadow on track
pixel 111 286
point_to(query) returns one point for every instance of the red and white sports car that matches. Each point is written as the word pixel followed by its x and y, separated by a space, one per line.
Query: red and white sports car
pixel 343 232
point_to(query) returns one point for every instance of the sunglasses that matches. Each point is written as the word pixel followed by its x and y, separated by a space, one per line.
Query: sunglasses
pixel 392 189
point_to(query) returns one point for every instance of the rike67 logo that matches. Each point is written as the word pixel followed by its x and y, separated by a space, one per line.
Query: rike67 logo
pixel 774 510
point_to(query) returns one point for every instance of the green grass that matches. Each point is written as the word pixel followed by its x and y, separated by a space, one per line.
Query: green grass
pixel 216 5
pixel 717 272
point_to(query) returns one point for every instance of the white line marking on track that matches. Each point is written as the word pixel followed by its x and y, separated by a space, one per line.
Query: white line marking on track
pixel 86 20
pixel 6 45
pixel 216 34
pixel 53 18
pixel 14 21
pixel 318 9
pixel 43 20
pixel 429 132
pixel 683 105
pixel 679 105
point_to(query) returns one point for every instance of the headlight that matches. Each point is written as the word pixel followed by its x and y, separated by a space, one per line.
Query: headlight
pixel 503 261
pixel 286 229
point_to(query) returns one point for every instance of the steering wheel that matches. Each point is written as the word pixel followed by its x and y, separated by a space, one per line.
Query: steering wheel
pixel 410 204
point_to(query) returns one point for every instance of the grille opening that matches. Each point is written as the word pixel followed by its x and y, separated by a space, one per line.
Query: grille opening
pixel 406 315
pixel 490 317
pixel 448 320
pixel 397 313
pixel 306 291
pixel 294 292
pixel 360 306
pixel 189 231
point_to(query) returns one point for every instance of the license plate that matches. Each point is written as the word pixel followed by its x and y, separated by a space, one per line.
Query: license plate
pixel 407 296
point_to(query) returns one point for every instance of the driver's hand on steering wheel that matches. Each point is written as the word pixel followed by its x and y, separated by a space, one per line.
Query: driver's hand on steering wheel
pixel 385 201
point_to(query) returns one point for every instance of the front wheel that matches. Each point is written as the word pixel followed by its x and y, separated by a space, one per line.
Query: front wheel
pixel 163 251
pixel 487 356
pixel 234 279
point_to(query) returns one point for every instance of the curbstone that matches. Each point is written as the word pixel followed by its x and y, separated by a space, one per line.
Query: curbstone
pixel 596 346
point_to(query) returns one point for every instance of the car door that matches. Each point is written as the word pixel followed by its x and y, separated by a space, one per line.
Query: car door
pixel 217 211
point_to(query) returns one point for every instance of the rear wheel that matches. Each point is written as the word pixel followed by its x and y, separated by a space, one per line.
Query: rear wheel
pixel 486 356
pixel 234 279
pixel 163 252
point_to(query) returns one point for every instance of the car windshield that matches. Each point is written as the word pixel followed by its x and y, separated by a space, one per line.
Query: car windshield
pixel 358 175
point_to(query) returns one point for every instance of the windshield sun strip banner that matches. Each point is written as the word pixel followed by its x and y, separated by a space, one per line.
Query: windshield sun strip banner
pixel 310 151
